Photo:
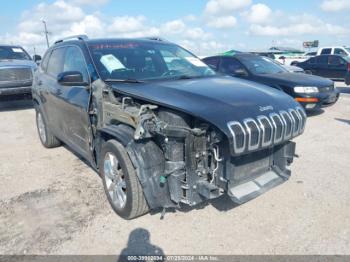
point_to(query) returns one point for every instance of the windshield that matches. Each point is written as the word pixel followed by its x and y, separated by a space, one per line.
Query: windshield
pixel 141 60
pixel 262 65
pixel 347 58
pixel 13 52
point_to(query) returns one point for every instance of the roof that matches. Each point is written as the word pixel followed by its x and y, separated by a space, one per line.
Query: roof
pixel 84 38
pixel 241 54
pixel 6 45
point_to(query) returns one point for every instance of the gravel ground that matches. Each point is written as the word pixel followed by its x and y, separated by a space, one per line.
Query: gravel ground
pixel 53 203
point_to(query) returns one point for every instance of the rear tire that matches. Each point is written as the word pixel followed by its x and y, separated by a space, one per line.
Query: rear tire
pixel 120 181
pixel 46 137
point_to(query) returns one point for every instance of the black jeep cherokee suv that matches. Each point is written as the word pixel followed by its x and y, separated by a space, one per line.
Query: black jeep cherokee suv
pixel 160 126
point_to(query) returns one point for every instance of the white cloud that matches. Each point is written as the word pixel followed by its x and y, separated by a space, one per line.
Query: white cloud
pixel 223 22
pixel 124 24
pixel 196 33
pixel 174 27
pixel 290 25
pixel 297 29
pixel 335 5
pixel 91 25
pixel 215 7
pixel 90 2
pixel 259 14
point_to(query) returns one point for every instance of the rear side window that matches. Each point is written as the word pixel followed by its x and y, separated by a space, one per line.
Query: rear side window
pixel 312 60
pixel 230 65
pixel 45 60
pixel 326 51
pixel 55 65
pixel 334 60
pixel 213 62
pixel 323 59
pixel 339 51
pixel 75 61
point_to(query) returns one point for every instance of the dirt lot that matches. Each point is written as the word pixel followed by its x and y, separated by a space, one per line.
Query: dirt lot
pixel 53 203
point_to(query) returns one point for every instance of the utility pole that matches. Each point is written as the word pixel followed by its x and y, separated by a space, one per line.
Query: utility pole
pixel 46 33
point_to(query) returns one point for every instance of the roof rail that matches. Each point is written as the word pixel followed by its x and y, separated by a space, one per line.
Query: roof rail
pixel 79 37
pixel 155 38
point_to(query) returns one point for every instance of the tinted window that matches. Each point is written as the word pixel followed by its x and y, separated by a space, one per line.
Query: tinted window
pixel 45 60
pixel 55 65
pixel 261 65
pixel 312 60
pixel 339 51
pixel 322 59
pixel 13 52
pixel 326 51
pixel 230 65
pixel 213 62
pixel 333 60
pixel 143 60
pixel 75 61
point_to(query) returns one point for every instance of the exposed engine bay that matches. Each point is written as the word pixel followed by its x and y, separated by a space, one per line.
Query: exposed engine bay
pixel 180 158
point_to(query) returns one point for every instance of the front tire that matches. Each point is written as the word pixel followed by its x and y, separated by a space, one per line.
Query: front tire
pixel 120 181
pixel 46 137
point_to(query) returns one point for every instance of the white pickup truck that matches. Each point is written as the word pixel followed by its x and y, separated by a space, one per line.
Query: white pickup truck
pixel 334 50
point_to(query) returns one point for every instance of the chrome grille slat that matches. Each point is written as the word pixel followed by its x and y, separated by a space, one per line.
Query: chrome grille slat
pixel 296 119
pixel 278 129
pixel 264 129
pixel 303 116
pixel 252 145
pixel 238 149
pixel 267 130
pixel 288 124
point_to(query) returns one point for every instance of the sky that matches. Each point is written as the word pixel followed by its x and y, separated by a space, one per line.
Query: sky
pixel 205 27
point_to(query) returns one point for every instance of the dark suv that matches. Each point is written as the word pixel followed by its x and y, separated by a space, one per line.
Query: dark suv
pixel 160 126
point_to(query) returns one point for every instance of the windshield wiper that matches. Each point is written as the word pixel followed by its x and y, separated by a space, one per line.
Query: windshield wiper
pixel 184 77
pixel 123 80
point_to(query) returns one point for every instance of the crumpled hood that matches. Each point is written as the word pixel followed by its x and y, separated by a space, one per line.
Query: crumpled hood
pixel 217 100
pixel 296 79
pixel 15 62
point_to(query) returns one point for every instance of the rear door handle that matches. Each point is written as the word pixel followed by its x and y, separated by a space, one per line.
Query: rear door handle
pixel 40 83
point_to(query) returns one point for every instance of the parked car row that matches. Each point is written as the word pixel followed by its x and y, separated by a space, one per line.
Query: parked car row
pixel 310 91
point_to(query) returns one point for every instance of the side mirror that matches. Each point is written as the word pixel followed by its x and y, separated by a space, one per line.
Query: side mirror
pixel 71 78
pixel 36 58
pixel 240 72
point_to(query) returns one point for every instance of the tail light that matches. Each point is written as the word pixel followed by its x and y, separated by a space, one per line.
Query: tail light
pixel 348 67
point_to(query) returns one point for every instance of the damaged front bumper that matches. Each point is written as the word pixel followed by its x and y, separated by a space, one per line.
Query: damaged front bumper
pixel 251 175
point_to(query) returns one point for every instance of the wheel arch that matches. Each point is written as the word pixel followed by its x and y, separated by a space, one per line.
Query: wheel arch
pixel 148 160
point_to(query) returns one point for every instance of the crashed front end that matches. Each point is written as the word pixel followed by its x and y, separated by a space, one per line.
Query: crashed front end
pixel 180 158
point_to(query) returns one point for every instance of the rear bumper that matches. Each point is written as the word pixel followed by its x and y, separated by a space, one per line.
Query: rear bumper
pixel 13 91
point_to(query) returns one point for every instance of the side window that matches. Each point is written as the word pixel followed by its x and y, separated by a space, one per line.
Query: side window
pixel 334 60
pixel 75 61
pixel 323 59
pixel 213 62
pixel 326 51
pixel 312 61
pixel 45 60
pixel 230 65
pixel 55 65
pixel 339 51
